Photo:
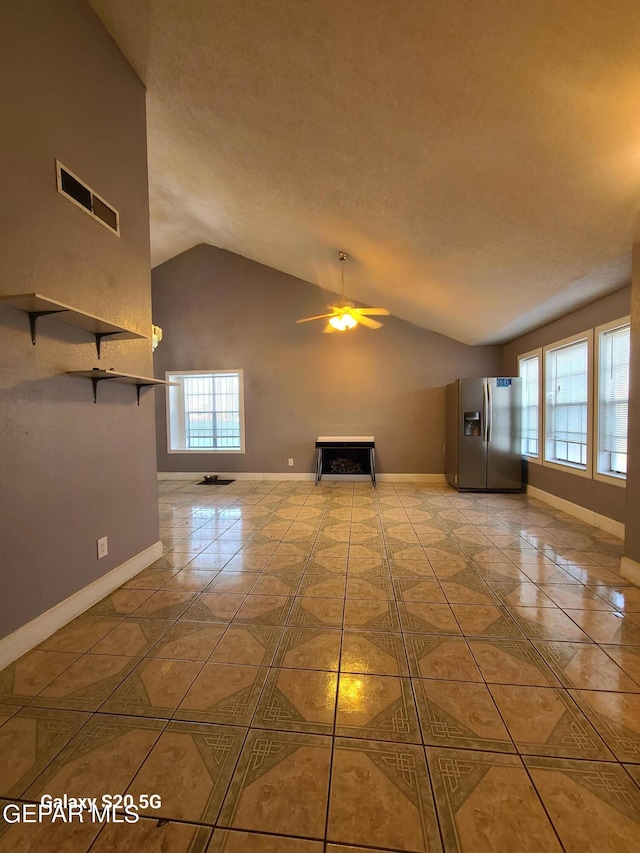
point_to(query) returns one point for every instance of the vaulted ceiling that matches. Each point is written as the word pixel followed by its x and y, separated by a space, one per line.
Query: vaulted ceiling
pixel 478 159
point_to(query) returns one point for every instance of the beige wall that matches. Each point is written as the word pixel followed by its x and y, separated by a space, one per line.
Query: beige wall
pixel 220 310
pixel 71 471
pixel 605 499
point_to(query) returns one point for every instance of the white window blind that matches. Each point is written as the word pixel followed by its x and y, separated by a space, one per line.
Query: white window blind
pixel 205 412
pixel 613 400
pixel 566 415
pixel 529 371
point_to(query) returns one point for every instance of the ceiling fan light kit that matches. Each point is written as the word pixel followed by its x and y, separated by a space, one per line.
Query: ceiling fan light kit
pixel 346 316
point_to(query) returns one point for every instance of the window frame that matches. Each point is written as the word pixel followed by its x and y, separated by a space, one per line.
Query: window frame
pixel 541 437
pixel 171 415
pixel 611 478
pixel 569 467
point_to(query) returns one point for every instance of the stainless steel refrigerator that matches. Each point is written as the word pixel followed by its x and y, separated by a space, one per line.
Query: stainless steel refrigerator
pixel 482 452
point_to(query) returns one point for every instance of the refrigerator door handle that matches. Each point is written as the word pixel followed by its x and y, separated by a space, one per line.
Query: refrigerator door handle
pixel 485 413
pixel 489 412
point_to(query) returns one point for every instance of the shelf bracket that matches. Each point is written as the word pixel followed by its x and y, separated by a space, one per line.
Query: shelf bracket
pixel 138 387
pixel 99 336
pixel 33 319
pixel 94 382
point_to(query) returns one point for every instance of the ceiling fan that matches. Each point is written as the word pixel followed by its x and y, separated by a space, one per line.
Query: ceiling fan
pixel 346 316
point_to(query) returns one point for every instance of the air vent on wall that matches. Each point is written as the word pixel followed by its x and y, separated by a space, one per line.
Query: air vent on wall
pixel 70 186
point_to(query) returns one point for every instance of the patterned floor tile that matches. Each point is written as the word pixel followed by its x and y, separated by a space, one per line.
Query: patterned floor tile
pixel 371 615
pixel 152 836
pixel 277 583
pixel 80 634
pixel 236 841
pixel 165 605
pixel 604 627
pixel 102 758
pixel 309 648
pixel 135 635
pixel 254 646
pixel 392 779
pixel 625 599
pixel 543 623
pixel 151 579
pixel 460 714
pixel 594 806
pixel 379 588
pixel 233 582
pixel 373 653
pixel 428 617
pixel 295 700
pixel 243 563
pixel 215 607
pixel 190 580
pixel 627 658
pixel 153 689
pixel 516 594
pixel 545 721
pixel 264 610
pixel 223 693
pixel 322 586
pixel 441 656
pixel 308 611
pixel 86 684
pixel 418 589
pixel 190 767
pixel 45 837
pixel 416 566
pixel 585 666
pixel 511 662
pixel 26 677
pixel 466 587
pixel 280 785
pixel 378 707
pixel 343 848
pixel 189 641
pixel 616 716
pixel 7 711
pixel 485 620
pixel 327 566
pixel 367 567
pixel 486 803
pixel 574 597
pixel 29 740
pixel 120 603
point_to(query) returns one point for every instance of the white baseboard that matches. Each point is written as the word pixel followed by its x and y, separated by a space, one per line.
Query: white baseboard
pixel 25 638
pixel 301 476
pixel 630 570
pixel 616 528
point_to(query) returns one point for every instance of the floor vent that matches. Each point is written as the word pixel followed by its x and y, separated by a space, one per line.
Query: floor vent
pixel 70 186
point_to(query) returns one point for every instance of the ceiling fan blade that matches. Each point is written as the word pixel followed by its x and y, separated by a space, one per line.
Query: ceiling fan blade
pixel 373 312
pixel 365 321
pixel 317 317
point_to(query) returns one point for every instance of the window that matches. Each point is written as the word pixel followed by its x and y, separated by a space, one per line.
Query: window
pixel 613 341
pixel 529 369
pixel 567 403
pixel 205 412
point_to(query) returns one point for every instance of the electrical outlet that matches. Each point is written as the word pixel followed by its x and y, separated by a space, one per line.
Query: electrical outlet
pixel 290 462
pixel 103 548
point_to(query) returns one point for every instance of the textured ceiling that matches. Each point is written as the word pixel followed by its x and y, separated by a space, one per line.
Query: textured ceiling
pixel 478 159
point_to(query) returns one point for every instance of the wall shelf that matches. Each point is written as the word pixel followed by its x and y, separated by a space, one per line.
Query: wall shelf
pixel 98 375
pixel 36 305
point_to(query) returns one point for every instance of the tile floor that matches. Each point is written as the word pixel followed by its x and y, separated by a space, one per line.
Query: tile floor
pixel 333 669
